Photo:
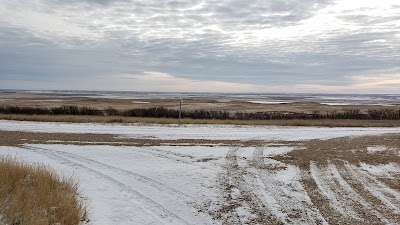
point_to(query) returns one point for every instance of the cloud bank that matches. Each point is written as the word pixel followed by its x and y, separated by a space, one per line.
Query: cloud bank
pixel 197 45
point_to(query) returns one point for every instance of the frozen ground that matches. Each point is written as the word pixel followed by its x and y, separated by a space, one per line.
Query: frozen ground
pixel 130 185
pixel 216 132
pixel 225 184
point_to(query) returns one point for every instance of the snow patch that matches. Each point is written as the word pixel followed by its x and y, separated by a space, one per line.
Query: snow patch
pixel 382 169
pixel 270 102
pixel 280 150
pixel 378 148
pixel 139 102
pixel 244 213
pixel 322 178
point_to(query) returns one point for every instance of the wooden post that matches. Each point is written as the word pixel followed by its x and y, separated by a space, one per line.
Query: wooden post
pixel 180 111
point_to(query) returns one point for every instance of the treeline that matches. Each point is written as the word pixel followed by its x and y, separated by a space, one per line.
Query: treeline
pixel 161 112
pixel 63 110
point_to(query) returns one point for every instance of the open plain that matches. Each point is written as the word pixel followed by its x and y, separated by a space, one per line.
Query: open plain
pixel 206 101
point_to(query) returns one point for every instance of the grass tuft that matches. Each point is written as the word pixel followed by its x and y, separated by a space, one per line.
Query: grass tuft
pixel 34 195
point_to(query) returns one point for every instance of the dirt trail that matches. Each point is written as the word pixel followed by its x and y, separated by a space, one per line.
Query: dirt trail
pixel 239 198
pixel 290 198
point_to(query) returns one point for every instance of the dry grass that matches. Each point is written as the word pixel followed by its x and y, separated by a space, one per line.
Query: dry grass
pixel 350 149
pixel 120 119
pixel 57 100
pixel 16 138
pixel 35 195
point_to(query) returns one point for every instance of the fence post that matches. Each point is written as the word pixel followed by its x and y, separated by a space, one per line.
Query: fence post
pixel 180 111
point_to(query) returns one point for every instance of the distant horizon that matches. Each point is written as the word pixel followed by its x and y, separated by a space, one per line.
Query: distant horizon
pixel 198 92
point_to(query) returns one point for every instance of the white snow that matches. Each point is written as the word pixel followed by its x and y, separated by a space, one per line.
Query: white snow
pixel 385 170
pixel 277 150
pixel 372 149
pixel 323 179
pixel 127 185
pixel 197 152
pixel 269 201
pixel 353 103
pixel 270 102
pixel 211 132
pixel 346 189
pixel 375 187
pixel 281 191
pixel 244 214
pixel 336 103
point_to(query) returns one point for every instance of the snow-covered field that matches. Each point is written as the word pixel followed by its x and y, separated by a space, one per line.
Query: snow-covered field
pixel 221 184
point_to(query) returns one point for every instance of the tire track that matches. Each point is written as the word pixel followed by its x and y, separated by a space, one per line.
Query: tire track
pixel 319 200
pixel 385 213
pixel 168 155
pixel 155 209
pixel 156 185
pixel 235 180
pixel 64 161
pixel 363 208
pixel 385 194
pixel 296 209
pixel 262 191
pixel 344 198
pixel 332 192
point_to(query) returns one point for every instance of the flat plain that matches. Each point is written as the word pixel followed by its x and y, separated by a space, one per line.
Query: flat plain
pixel 223 102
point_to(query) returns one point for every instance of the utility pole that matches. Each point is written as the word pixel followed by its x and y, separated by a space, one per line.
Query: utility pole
pixel 180 111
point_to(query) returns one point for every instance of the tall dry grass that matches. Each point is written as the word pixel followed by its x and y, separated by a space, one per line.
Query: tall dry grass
pixel 35 195
pixel 122 119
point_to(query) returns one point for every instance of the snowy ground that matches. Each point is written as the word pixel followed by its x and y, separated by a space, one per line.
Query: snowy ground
pixel 220 132
pixel 225 184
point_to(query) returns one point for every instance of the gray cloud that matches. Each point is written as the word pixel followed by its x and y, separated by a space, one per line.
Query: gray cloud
pixel 258 42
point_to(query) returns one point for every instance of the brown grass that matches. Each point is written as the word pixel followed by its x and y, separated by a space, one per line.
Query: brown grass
pixel 120 119
pixel 57 100
pixel 16 138
pixel 35 195
pixel 350 149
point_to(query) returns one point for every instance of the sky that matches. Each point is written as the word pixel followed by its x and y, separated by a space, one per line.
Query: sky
pixel 304 46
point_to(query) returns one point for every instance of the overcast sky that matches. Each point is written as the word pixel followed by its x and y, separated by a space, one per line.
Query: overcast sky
pixel 343 46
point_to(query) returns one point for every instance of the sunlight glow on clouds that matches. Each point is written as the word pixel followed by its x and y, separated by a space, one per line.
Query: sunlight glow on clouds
pixel 168 82
pixel 377 80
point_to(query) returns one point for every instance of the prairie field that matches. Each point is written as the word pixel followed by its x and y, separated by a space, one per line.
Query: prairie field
pixel 217 102
pixel 219 174
pixel 126 107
